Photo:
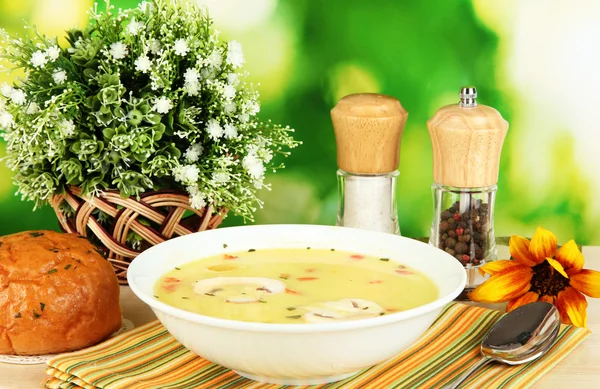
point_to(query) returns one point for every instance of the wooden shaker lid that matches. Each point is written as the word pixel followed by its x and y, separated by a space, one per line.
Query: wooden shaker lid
pixel 467 140
pixel 368 129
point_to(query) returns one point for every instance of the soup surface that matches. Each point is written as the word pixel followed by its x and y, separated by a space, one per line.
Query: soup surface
pixel 294 286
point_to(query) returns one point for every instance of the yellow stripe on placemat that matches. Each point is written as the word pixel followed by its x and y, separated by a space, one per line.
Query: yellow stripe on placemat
pixel 60 380
pixel 148 357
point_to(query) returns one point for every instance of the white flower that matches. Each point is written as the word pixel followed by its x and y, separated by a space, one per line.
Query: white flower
pixel 228 92
pixel 255 150
pixel 230 131
pixel 191 75
pixel 191 85
pixel 51 152
pixel 143 64
pixel 191 173
pixel 134 27
pixel 225 161
pixel 193 152
pixel 118 50
pixel 67 128
pixel 6 90
pixel 266 155
pixel 229 107
pixel 235 56
pixel 146 5
pixel 214 129
pixel 18 97
pixel 33 108
pixel 59 76
pixel 192 88
pixel 181 47
pixel 192 189
pixel 220 177
pixel 53 52
pixel 252 149
pixel 39 59
pixel 215 60
pixel 187 174
pixel 254 166
pixel 6 120
pixel 197 201
pixel 155 46
pixel 258 184
pixel 163 105
pixel 233 78
pixel 251 107
pixel 208 73
pixel 261 141
pixel 244 117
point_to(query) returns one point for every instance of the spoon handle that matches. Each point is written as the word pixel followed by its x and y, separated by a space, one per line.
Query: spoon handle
pixel 458 380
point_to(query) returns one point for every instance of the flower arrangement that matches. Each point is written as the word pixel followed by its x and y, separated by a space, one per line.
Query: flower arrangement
pixel 541 271
pixel 140 100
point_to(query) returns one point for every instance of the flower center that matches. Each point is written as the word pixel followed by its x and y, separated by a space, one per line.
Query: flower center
pixel 547 281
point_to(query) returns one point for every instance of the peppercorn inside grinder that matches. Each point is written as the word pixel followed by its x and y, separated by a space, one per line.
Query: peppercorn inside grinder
pixel 368 129
pixel 467 141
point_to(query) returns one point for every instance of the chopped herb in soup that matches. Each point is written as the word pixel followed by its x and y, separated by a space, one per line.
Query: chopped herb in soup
pixel 294 286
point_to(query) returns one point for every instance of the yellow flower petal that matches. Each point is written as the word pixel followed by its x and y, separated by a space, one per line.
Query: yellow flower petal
pixel 519 250
pixel 570 257
pixel 546 298
pixel 529 297
pixel 565 318
pixel 557 266
pixel 543 245
pixel 504 286
pixel 494 267
pixel 572 306
pixel 587 282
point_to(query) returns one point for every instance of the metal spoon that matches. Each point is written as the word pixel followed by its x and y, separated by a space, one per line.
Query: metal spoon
pixel 521 336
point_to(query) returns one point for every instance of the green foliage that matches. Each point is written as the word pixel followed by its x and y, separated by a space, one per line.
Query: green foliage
pixel 421 53
pixel 141 99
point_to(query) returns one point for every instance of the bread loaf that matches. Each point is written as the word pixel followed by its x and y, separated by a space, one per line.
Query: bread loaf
pixel 57 294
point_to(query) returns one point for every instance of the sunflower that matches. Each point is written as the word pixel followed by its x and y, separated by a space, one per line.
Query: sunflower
pixel 541 271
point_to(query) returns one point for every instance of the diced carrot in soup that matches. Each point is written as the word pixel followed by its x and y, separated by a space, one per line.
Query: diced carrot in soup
pixel 170 287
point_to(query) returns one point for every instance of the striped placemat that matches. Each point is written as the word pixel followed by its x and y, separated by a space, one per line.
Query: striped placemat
pixel 149 357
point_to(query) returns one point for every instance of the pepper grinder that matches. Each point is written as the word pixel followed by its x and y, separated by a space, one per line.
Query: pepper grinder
pixel 368 129
pixel 467 141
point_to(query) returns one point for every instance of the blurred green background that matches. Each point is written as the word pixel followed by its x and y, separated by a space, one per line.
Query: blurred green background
pixel 535 64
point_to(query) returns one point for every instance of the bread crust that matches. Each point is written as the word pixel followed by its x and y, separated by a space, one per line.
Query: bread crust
pixel 57 294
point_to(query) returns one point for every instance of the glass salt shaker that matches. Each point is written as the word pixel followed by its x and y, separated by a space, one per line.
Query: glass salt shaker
pixel 467 141
pixel 368 129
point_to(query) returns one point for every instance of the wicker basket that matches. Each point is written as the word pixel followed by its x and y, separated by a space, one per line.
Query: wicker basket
pixel 156 217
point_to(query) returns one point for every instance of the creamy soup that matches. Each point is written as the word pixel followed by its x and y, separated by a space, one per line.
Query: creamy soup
pixel 294 286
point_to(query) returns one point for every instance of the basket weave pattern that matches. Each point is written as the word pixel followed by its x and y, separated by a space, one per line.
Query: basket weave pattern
pixel 164 208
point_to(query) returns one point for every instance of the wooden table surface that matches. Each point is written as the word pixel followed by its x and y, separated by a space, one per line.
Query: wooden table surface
pixel 580 369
